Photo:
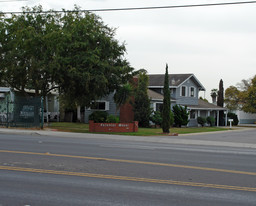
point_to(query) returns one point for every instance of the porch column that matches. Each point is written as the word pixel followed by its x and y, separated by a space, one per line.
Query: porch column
pixel 218 117
pixel 226 118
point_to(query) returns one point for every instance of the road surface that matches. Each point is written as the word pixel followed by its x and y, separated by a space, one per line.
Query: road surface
pixel 47 170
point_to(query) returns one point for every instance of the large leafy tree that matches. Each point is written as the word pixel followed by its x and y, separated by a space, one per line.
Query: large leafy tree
pixel 166 104
pixel 92 62
pixel 28 50
pixel 249 97
pixel 141 104
pixel 243 96
pixel 74 52
pixel 232 98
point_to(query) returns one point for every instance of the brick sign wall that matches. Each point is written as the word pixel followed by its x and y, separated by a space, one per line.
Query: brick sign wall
pixel 113 127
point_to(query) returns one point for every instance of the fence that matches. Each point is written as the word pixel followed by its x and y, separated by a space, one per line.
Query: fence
pixel 22 112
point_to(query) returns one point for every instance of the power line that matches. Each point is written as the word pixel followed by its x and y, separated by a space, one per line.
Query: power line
pixel 11 0
pixel 137 8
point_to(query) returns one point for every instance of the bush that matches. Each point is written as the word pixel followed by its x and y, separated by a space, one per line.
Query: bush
pixel 201 121
pixel 234 117
pixel 112 119
pixel 171 118
pixel 98 116
pixel 180 115
pixel 210 121
pixel 156 118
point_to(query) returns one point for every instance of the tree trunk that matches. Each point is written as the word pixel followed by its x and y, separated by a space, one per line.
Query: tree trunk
pixel 78 109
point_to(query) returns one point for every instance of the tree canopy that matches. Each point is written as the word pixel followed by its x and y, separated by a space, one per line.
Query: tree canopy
pixel 243 96
pixel 72 51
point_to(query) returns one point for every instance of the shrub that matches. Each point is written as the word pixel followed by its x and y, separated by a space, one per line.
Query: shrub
pixel 180 115
pixel 112 119
pixel 171 118
pixel 156 118
pixel 211 121
pixel 201 121
pixel 98 116
pixel 234 117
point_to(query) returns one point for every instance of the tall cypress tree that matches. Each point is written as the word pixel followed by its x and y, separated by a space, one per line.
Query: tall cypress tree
pixel 166 104
pixel 220 102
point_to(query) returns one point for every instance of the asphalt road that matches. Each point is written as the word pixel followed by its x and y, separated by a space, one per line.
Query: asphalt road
pixel 47 170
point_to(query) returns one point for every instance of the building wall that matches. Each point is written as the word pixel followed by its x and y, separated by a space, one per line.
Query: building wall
pixel 246 118
pixel 111 110
pixel 187 100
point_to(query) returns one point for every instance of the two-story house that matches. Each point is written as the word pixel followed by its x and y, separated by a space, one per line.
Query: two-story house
pixel 184 89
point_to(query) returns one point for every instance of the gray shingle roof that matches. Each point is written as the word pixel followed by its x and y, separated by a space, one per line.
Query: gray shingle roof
pixel 156 96
pixel 157 80
pixel 205 105
pixel 174 79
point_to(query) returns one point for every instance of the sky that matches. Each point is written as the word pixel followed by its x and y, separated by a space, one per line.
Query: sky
pixel 213 43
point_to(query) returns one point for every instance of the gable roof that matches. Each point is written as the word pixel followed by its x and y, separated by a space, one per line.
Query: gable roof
pixel 175 80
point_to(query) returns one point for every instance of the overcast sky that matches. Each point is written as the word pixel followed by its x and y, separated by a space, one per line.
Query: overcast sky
pixel 217 42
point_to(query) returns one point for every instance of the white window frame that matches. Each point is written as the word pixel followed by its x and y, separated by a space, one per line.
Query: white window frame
pixel 186 92
pixel 99 101
pixel 154 105
pixel 191 92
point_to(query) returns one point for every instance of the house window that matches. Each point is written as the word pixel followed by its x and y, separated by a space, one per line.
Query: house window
pixel 192 91
pixel 159 106
pixel 100 105
pixel 192 114
pixel 183 91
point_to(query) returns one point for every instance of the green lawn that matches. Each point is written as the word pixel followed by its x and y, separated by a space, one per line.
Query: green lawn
pixel 84 128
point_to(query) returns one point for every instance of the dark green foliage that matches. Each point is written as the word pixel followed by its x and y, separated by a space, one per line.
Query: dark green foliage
pixel 156 118
pixel 180 115
pixel 112 119
pixel 98 116
pixel 249 97
pixel 28 50
pixel 171 118
pixel 141 104
pixel 201 121
pixel 123 94
pixel 211 121
pixel 220 102
pixel 166 104
pixel 74 52
pixel 234 117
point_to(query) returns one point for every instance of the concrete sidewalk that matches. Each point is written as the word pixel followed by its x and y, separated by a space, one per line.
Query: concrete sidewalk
pixel 220 138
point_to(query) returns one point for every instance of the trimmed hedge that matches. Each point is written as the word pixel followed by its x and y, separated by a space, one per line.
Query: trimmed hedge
pixel 234 117
pixel 210 121
pixel 98 116
pixel 201 121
